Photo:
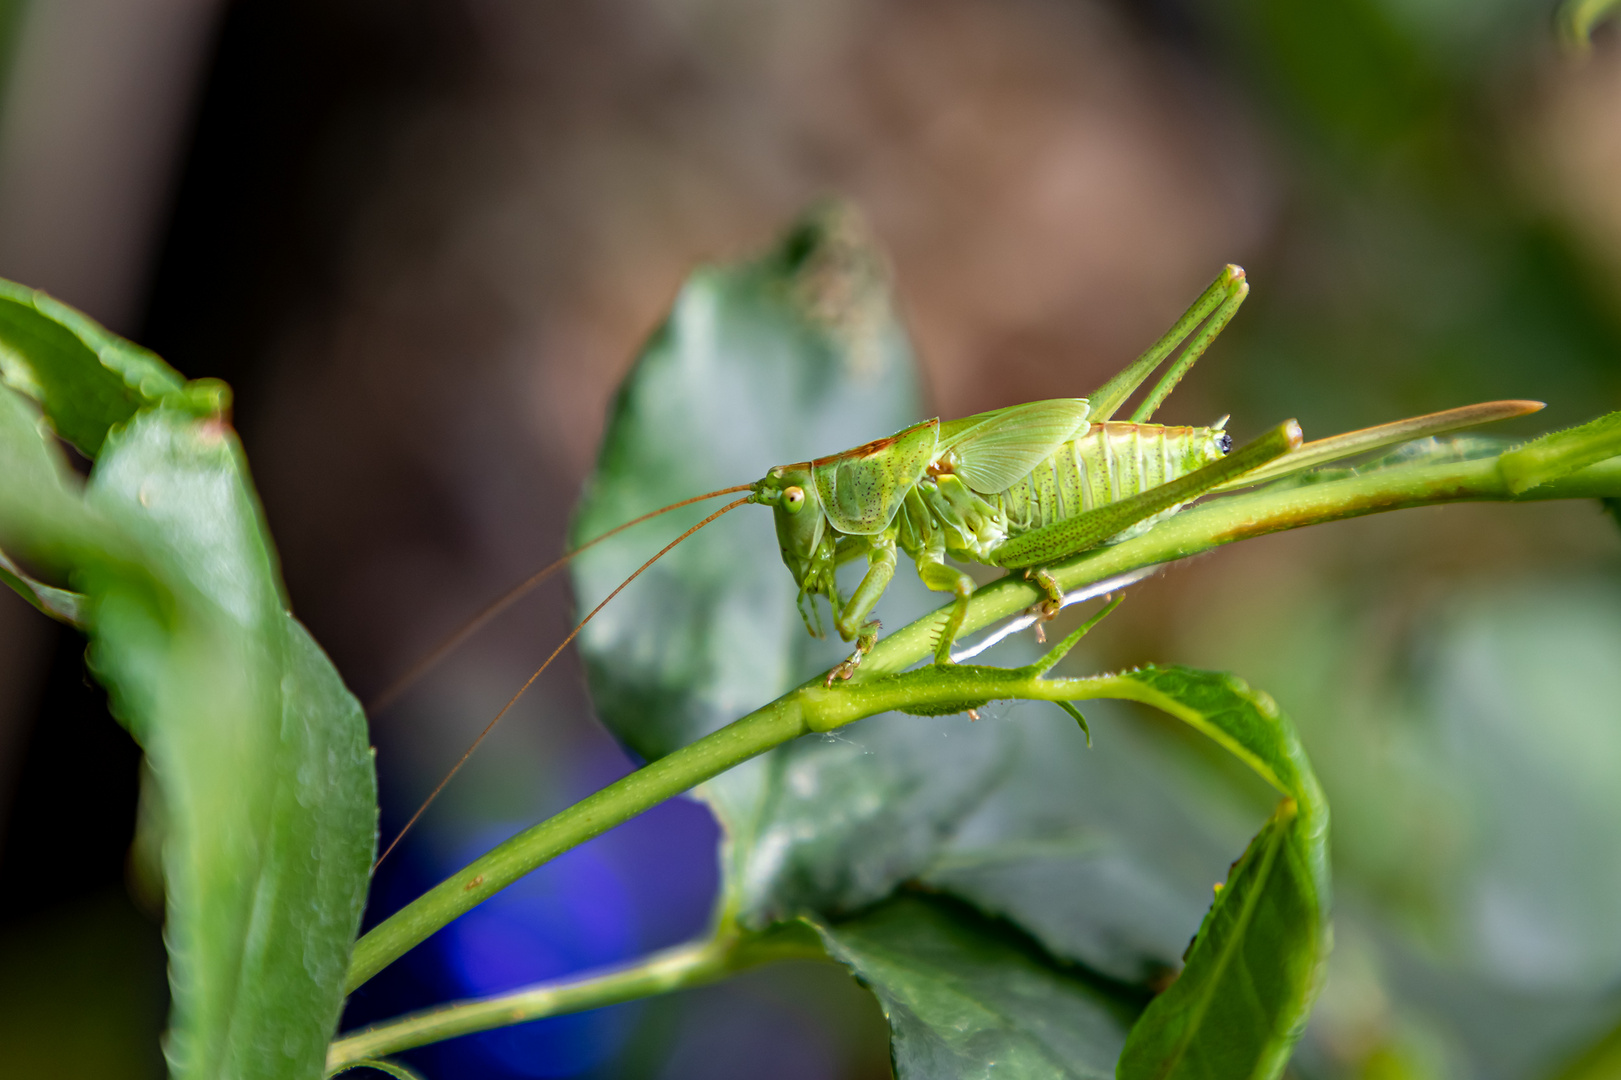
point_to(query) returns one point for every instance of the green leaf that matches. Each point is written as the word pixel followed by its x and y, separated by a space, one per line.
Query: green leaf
pixel 1578 18
pixel 1471 756
pixel 258 750
pixel 39 486
pixel 1255 967
pixel 1105 855
pixel 86 379
pixel 60 604
pixel 1599 1061
pixel 1560 453
pixel 966 997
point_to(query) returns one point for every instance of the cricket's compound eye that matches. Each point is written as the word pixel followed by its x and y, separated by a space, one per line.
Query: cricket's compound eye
pixel 1225 442
pixel 793 498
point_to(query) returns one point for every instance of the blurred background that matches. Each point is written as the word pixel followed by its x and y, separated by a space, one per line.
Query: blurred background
pixel 424 239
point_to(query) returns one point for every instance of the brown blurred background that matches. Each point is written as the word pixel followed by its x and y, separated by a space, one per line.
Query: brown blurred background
pixel 424 239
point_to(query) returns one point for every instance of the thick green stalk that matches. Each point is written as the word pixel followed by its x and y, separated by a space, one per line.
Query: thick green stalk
pixel 620 801
pixel 813 708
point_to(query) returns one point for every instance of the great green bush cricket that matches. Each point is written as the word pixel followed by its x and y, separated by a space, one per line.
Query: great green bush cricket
pixel 1018 488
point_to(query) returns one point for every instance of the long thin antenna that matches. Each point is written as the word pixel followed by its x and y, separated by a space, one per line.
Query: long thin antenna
pixel 472 626
pixel 525 687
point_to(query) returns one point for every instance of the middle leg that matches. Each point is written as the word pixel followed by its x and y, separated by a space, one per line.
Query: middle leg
pixel 932 568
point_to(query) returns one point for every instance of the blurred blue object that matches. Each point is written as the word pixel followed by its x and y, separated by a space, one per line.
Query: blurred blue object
pixel 569 916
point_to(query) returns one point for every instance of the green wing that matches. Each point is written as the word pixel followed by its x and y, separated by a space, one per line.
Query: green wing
pixel 862 488
pixel 994 450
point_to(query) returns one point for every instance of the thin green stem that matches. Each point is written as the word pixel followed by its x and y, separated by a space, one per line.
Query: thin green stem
pixel 813 708
pixel 594 815
pixel 694 964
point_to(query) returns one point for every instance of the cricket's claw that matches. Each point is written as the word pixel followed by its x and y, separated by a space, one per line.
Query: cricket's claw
pixel 1047 608
pixel 1043 611
pixel 844 670
pixel 848 668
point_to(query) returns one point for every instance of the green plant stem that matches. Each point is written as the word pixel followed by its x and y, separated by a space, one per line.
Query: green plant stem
pixel 810 707
pixel 727 953
pixel 620 801
pixel 1227 519
pixel 730 950
pixel 937 688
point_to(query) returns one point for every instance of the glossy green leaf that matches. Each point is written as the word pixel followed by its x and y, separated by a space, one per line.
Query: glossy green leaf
pixel 1105 854
pixel 1255 967
pixel 86 379
pixel 60 604
pixel 1476 804
pixel 38 488
pixel 258 750
pixel 968 998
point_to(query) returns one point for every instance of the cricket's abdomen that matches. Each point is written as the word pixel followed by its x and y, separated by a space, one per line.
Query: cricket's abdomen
pixel 1114 460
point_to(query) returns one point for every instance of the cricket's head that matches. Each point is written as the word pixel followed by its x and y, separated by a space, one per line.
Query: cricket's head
pixel 804 535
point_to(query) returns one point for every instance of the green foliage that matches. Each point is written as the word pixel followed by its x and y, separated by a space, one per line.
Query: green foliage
pixel 1017 903
pixel 86 379
pixel 1561 452
pixel 1468 751
pixel 1254 968
pixel 259 752
pixel 971 998
pixel 1579 18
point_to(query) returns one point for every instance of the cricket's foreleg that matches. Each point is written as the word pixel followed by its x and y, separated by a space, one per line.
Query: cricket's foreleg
pixel 852 623
pixel 932 568
pixel 1047 545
